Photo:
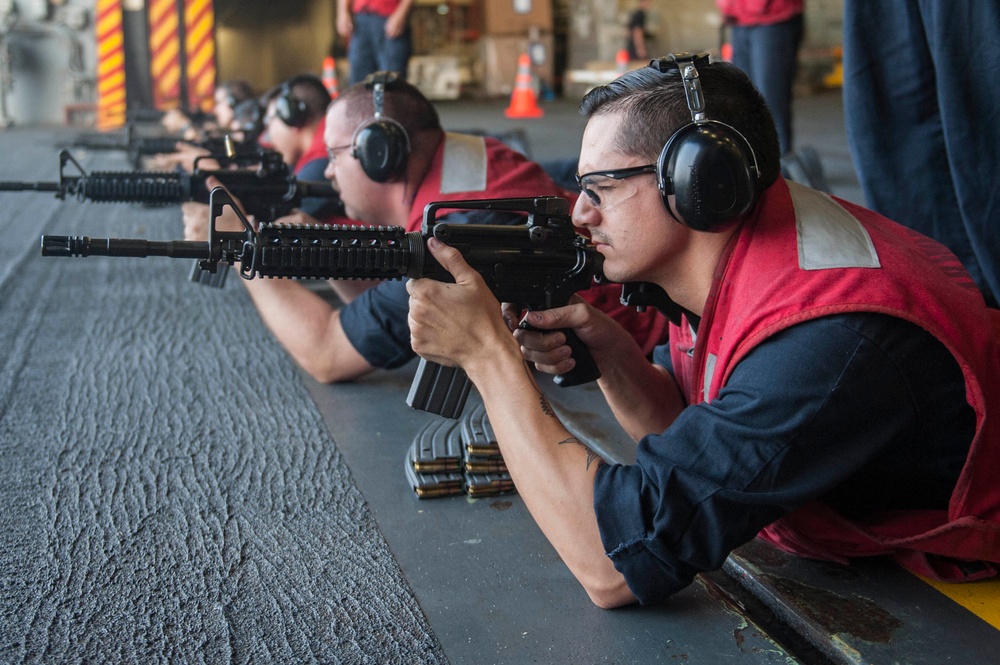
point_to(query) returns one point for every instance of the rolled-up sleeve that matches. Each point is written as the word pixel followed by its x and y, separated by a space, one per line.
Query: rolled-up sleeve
pixel 651 573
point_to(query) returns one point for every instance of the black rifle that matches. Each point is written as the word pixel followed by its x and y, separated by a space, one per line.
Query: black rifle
pixel 267 192
pixel 137 147
pixel 536 265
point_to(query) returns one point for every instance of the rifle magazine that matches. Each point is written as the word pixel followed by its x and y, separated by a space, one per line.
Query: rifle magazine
pixel 438 389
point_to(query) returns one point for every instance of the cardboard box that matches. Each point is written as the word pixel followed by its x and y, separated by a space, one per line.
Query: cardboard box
pixel 438 76
pixel 516 17
pixel 499 55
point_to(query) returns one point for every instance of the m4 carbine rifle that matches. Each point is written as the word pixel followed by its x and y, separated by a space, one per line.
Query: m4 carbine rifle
pixel 536 265
pixel 268 191
pixel 137 147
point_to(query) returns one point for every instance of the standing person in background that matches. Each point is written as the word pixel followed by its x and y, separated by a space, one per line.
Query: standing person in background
pixel 765 40
pixel 379 36
pixel 921 100
pixel 636 41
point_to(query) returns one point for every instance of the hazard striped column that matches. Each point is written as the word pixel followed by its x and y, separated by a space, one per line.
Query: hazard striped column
pixel 199 33
pixel 110 65
pixel 165 53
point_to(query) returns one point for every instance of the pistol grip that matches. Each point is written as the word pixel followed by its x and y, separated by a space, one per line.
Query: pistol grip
pixel 439 389
pixel 586 369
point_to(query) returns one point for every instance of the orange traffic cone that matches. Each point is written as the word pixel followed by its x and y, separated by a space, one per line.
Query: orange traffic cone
pixel 727 52
pixel 621 61
pixel 330 76
pixel 523 103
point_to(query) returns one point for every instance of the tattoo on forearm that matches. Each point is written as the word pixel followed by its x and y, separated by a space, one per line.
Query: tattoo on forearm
pixel 542 402
pixel 591 455
pixel 546 407
pixel 549 411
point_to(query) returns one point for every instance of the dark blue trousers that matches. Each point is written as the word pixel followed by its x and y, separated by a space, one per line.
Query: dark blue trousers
pixel 768 54
pixel 371 51
pixel 922 111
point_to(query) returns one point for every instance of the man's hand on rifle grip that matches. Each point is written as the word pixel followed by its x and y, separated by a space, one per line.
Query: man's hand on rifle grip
pixel 542 342
pixel 456 324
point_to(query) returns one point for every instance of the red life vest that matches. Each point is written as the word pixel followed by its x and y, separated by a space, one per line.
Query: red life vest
pixel 316 149
pixel 476 167
pixel 805 255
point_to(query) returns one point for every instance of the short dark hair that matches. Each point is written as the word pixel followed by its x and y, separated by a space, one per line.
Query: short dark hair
pixel 653 106
pixel 308 88
pixel 402 102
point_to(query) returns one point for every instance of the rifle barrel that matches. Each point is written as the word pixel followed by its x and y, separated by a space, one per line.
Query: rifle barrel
pixel 13 186
pixel 136 247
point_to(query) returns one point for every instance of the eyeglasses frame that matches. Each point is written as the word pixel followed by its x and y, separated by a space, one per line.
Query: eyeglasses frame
pixel 616 174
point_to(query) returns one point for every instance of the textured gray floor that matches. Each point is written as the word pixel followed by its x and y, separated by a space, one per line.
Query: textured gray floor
pixel 168 492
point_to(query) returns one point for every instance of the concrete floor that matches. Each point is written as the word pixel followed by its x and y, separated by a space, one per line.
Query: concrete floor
pixel 818 121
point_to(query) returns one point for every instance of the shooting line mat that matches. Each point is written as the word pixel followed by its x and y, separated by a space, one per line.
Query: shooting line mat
pixel 168 490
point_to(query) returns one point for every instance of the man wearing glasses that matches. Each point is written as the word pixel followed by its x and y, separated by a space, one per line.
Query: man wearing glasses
pixel 831 383
pixel 388 157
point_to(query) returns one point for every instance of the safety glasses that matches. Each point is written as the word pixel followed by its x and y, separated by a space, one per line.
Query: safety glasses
pixel 610 187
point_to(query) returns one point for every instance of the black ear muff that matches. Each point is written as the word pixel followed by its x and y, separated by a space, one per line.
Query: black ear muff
pixel 292 110
pixel 708 166
pixel 704 166
pixel 382 149
pixel 382 145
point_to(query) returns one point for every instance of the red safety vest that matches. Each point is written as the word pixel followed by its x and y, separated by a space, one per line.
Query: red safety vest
pixel 759 12
pixel 316 149
pixel 805 255
pixel 476 167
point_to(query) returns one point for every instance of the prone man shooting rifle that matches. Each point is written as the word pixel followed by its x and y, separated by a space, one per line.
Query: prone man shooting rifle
pixel 536 265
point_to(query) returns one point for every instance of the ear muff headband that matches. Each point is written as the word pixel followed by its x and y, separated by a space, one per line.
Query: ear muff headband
pixel 708 166
pixel 381 145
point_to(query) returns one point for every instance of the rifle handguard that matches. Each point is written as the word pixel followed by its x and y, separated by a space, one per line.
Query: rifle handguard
pixel 539 264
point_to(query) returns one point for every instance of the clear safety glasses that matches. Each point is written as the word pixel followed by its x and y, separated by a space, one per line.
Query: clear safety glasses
pixel 607 188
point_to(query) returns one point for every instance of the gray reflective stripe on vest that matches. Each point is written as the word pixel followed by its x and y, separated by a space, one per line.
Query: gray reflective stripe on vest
pixel 709 373
pixel 464 165
pixel 828 235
